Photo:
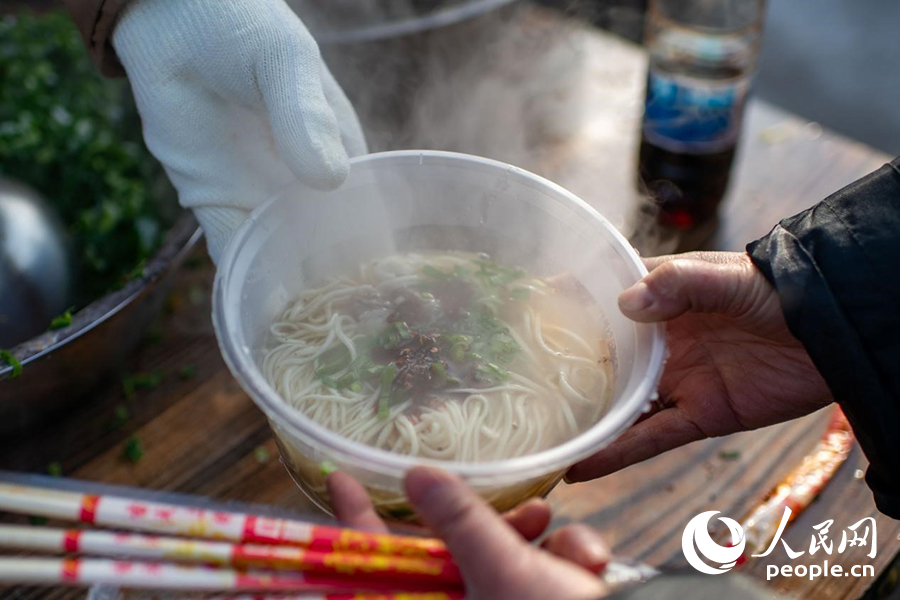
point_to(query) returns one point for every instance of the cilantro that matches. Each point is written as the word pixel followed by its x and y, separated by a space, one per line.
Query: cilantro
pixel 63 320
pixel 11 361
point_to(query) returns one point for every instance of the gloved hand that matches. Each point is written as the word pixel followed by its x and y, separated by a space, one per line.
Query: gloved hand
pixel 235 102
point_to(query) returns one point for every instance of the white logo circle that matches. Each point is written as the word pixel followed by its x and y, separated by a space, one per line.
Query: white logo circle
pixel 696 533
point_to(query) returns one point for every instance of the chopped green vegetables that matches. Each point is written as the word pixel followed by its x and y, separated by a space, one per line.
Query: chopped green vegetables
pixel 261 454
pixel 63 320
pixel 133 450
pixel 729 455
pixel 141 381
pixel 384 397
pixel 326 468
pixel 443 332
pixel 333 361
pixel 400 512
pixel 121 414
pixel 11 361
pixel 520 294
pixel 75 136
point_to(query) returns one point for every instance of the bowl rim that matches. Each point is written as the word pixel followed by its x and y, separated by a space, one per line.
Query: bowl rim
pixel 179 240
pixel 517 468
pixel 443 17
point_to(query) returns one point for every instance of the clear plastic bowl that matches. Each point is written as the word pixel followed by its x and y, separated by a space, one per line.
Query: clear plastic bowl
pixel 425 200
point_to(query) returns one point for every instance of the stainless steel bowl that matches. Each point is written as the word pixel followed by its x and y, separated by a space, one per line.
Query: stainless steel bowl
pixel 59 367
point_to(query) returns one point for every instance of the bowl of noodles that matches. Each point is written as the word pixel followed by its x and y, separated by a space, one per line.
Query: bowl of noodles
pixel 439 309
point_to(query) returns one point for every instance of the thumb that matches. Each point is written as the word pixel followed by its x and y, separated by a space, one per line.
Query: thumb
pixel 681 285
pixel 476 535
pixel 304 126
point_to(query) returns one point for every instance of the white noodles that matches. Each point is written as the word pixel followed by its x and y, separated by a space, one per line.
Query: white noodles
pixel 534 409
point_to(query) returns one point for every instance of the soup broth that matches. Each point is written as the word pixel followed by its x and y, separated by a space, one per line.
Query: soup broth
pixel 447 355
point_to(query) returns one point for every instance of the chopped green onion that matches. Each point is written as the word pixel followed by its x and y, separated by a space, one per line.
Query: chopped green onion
pixel 520 294
pixel 63 320
pixel 12 361
pixel 121 415
pixel 261 454
pixel 729 455
pixel 141 381
pixel 374 371
pixel 334 360
pixel 133 450
pixel 432 272
pixel 438 374
pixel 384 398
pixel 402 330
pixel 326 467
pixel 400 512
pixel 491 373
pixel 346 381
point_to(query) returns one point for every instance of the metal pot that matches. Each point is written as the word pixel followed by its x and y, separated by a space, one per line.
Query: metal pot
pixel 60 367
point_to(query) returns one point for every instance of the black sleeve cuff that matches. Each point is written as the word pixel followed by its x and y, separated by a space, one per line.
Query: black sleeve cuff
pixel 836 268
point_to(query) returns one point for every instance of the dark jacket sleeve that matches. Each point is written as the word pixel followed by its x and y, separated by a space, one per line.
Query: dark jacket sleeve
pixel 95 20
pixel 836 268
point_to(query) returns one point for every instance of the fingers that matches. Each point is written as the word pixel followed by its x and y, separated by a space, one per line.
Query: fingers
pixel 678 285
pixel 473 532
pixel 351 503
pixel 304 126
pixel 530 519
pixel 581 545
pixel 218 223
pixel 351 131
pixel 660 433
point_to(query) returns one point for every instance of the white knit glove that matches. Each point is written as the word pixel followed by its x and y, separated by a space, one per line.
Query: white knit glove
pixel 235 102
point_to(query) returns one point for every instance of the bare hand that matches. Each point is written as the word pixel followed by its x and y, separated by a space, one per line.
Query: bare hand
pixel 492 552
pixel 733 363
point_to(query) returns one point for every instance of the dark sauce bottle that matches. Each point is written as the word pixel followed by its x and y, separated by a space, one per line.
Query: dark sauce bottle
pixel 702 59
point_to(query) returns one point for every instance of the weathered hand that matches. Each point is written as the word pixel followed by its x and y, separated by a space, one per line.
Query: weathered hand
pixel 492 552
pixel 733 363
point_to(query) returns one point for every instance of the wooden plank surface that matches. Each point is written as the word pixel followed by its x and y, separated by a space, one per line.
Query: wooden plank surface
pixel 202 435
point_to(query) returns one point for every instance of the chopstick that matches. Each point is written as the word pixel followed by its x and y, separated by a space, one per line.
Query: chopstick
pixel 167 576
pixel 127 513
pixel 439 572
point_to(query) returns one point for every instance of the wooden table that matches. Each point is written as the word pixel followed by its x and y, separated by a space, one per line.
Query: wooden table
pixel 201 434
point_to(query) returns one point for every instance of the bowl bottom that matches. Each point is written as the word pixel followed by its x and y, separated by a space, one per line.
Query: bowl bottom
pixel 390 502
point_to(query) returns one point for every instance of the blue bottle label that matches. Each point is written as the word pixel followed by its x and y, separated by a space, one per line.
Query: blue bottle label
pixel 685 114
